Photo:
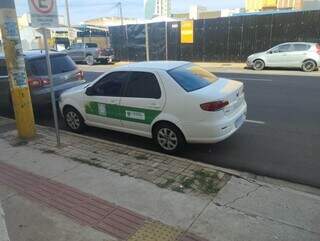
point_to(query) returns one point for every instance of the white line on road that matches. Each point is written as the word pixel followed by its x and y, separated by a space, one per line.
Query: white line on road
pixel 265 80
pixel 256 122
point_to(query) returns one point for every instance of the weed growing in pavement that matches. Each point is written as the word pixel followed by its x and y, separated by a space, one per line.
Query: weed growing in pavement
pixel 166 184
pixel 141 157
pixel 178 188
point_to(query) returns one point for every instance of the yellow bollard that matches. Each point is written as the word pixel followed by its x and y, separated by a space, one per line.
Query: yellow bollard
pixel 19 88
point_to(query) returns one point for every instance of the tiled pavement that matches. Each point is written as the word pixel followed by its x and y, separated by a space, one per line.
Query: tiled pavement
pixel 165 171
pixel 89 210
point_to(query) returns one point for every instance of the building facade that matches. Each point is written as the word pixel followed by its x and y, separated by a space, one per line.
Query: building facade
pixel 154 8
pixel 311 5
pixel 290 4
pixel 260 5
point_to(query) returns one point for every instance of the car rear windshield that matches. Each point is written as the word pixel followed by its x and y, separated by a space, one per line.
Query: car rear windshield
pixel 60 64
pixel 91 45
pixel 192 77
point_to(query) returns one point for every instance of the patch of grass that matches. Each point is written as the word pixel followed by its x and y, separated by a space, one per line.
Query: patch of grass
pixel 141 157
pixel 206 181
pixel 18 143
pixel 90 163
pixel 178 189
pixel 48 151
pixel 166 184
pixel 187 182
pixel 119 172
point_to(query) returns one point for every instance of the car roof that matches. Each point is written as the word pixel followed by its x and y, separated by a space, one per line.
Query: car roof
pixel 161 65
pixel 32 54
pixel 297 43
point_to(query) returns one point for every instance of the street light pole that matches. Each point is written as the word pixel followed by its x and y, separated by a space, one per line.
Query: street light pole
pixel 19 87
pixel 68 13
pixel 121 14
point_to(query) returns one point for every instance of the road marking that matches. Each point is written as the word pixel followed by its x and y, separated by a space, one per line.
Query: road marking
pixel 265 80
pixel 256 122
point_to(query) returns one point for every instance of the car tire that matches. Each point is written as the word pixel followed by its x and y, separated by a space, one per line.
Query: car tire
pixel 309 66
pixel 74 120
pixel 258 64
pixel 89 60
pixel 169 138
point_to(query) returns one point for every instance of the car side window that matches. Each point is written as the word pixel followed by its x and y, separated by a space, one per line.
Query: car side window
pixel 3 68
pixel 284 48
pixel 143 85
pixel 301 47
pixel 112 84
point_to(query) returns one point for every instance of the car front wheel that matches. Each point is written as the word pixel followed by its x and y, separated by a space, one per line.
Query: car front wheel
pixel 258 64
pixel 89 60
pixel 309 66
pixel 74 120
pixel 169 138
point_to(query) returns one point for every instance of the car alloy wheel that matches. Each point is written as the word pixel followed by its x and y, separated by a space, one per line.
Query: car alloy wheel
pixel 167 139
pixel 74 120
pixel 89 60
pixel 309 66
pixel 258 65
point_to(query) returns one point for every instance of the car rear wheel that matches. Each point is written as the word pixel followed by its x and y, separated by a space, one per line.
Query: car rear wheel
pixel 74 120
pixel 258 64
pixel 309 66
pixel 89 60
pixel 169 138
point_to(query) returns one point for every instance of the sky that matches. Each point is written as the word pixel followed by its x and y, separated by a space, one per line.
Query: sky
pixel 83 9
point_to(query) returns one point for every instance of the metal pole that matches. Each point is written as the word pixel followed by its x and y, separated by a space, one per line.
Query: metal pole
pixel 166 33
pixel 53 98
pixel 147 43
pixel 17 76
pixel 121 14
pixel 68 13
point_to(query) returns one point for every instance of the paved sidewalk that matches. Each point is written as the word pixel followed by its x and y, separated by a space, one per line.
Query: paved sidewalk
pixel 97 197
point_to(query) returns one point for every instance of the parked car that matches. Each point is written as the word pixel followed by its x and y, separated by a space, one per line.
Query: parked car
pixel 288 55
pixel 90 53
pixel 172 102
pixel 65 76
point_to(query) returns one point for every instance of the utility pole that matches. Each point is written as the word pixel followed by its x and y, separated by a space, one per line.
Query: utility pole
pixel 147 43
pixel 121 14
pixel 68 13
pixel 19 87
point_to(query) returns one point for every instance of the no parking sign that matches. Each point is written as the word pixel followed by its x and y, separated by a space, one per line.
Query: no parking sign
pixel 44 13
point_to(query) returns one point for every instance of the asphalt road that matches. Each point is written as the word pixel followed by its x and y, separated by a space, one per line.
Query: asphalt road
pixel 281 138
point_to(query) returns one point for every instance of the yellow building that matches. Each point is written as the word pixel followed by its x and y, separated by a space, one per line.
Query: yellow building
pixel 260 5
pixel 290 4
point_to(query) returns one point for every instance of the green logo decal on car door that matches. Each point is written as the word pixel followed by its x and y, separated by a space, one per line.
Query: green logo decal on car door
pixel 127 113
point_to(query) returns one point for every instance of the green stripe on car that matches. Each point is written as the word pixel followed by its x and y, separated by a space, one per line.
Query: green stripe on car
pixel 127 113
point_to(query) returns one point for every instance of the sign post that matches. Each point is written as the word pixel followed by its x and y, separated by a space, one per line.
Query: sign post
pixel 44 14
pixel 19 88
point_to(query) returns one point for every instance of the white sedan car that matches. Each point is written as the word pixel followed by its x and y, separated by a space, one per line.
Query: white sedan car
pixel 172 102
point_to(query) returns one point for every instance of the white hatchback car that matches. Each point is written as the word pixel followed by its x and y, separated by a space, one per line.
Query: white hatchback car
pixel 172 102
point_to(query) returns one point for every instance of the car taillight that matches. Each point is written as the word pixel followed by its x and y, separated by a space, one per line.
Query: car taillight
pixel 38 82
pixel 318 49
pixel 79 75
pixel 215 105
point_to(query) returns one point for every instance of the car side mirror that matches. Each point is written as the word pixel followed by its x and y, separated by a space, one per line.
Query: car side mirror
pixel 90 91
pixel 270 52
